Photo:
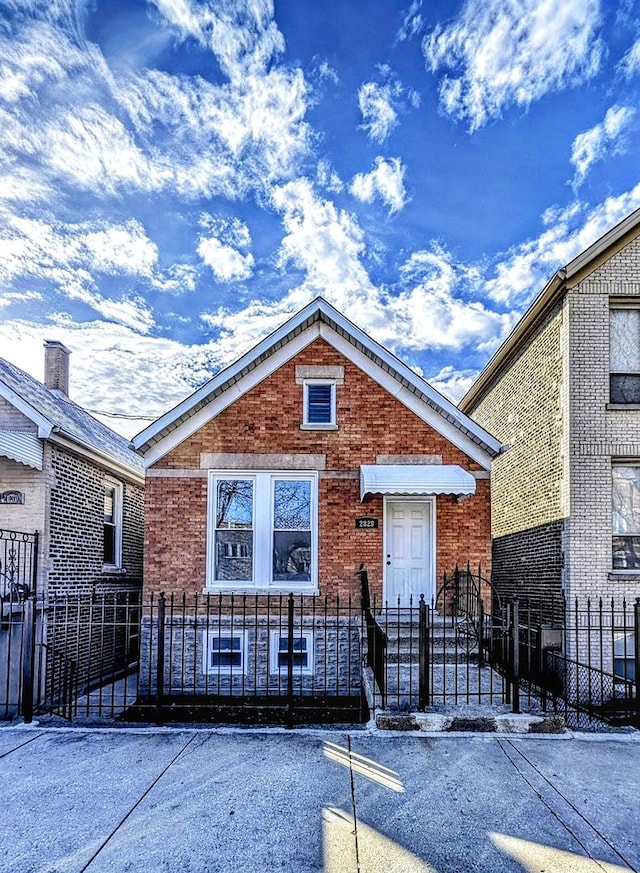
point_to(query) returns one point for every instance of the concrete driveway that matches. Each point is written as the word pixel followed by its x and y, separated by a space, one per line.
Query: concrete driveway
pixel 205 800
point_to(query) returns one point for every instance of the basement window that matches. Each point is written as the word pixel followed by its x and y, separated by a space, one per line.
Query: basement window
pixel 301 654
pixel 223 651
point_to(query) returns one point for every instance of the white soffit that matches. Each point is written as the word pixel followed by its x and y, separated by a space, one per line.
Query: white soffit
pixel 415 479
pixel 23 447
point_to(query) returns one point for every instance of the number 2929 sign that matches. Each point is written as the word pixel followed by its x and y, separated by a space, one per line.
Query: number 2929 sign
pixel 366 523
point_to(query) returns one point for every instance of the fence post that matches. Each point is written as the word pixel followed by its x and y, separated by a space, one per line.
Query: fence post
pixel 160 657
pixel 289 717
pixel 424 672
pixel 515 659
pixel 636 651
pixel 28 658
pixel 505 651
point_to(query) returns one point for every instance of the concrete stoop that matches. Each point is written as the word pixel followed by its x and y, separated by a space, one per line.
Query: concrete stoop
pixel 470 719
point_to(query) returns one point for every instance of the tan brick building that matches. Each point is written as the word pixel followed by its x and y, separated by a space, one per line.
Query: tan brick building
pixel 314 453
pixel 563 393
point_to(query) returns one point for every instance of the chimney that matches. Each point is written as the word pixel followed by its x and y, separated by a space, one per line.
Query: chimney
pixel 56 367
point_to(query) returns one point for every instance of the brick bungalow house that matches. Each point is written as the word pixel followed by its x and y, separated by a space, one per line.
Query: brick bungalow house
pixel 71 523
pixel 70 478
pixel 563 392
pixel 315 452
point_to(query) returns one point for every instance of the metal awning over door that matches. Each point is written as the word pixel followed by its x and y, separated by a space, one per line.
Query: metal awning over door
pixel 415 479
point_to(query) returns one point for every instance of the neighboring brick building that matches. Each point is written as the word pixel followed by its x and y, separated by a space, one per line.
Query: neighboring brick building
pixel 563 393
pixel 71 479
pixel 314 453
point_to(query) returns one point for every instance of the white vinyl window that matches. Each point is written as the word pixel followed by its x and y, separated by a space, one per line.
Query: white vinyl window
pixel 319 404
pixel 301 653
pixel 624 344
pixel 224 651
pixel 625 517
pixel 112 543
pixel 262 531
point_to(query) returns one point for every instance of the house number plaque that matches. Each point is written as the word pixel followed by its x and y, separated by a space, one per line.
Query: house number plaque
pixel 16 497
pixel 366 523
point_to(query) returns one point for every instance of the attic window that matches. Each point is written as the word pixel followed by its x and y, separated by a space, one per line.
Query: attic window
pixel 319 404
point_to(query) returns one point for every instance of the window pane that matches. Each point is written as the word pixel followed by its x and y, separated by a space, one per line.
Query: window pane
pixel 319 404
pixel 625 340
pixel 234 504
pixel 300 656
pixel 234 556
pixel 626 553
pixel 109 544
pixel 626 500
pixel 624 388
pixel 292 556
pixel 109 504
pixel 292 504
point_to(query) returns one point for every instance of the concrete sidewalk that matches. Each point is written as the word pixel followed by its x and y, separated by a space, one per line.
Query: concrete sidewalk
pixel 223 800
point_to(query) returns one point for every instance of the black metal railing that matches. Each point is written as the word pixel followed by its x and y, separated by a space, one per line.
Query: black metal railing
pixel 295 659
pixel 18 564
pixel 254 658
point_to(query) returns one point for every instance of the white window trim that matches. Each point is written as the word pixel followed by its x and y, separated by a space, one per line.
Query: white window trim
pixel 263 485
pixel 274 651
pixel 306 424
pixel 118 501
pixel 209 637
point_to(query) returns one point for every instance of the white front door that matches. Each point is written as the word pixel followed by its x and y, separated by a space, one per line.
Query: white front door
pixel 409 557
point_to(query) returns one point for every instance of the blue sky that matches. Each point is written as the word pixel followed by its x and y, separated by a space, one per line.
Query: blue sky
pixel 177 178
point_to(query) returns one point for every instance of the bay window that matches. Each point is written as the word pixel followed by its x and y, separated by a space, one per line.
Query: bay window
pixel 262 531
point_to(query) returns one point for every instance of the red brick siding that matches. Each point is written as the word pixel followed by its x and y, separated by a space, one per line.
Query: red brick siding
pixel 267 419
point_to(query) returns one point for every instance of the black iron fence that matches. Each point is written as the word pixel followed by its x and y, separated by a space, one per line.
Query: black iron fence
pixel 579 660
pixel 294 659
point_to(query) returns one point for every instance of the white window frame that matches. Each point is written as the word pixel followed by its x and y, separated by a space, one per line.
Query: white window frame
pixel 623 653
pixel 324 425
pixel 263 530
pixel 626 305
pixel 118 501
pixel 214 635
pixel 617 534
pixel 275 651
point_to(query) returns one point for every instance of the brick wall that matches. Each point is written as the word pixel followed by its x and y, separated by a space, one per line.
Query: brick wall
pixel 77 527
pixel 599 435
pixel 267 420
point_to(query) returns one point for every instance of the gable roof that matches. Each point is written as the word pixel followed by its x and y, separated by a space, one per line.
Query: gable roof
pixel 62 421
pixel 317 319
pixel 553 291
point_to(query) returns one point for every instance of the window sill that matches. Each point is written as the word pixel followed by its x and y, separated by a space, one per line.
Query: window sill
pixel 618 406
pixel 261 591
pixel 112 570
pixel 318 427
pixel 624 575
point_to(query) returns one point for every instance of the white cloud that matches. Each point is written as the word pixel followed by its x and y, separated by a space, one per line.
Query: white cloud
pixel 9 297
pixel 378 113
pixel 70 257
pixel 385 181
pixel 225 250
pixel 453 383
pixel 327 177
pixel 503 52
pixel 526 268
pixel 412 23
pixel 381 102
pixel 242 35
pixel 110 366
pixel 630 64
pixel 593 145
